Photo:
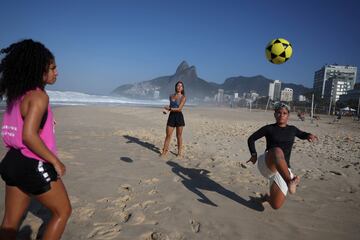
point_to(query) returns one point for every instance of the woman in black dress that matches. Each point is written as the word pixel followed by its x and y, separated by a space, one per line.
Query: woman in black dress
pixel 176 118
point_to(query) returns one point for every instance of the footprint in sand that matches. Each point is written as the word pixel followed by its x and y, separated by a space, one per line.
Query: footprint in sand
pixel 151 181
pixel 163 210
pixel 154 236
pixel 195 226
pixel 147 203
pixel 104 231
pixel 125 188
pixel 123 216
pixel 121 201
pixel 84 213
pixel 137 218
pixel 153 192
pixel 177 179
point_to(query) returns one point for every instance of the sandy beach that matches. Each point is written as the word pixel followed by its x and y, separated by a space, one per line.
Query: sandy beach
pixel 121 189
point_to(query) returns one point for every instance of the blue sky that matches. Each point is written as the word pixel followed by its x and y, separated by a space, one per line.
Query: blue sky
pixel 100 45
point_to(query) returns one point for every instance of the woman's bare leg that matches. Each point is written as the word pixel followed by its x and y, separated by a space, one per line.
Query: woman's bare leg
pixel 179 131
pixel 276 198
pixel 275 161
pixel 57 201
pixel 16 202
pixel 169 131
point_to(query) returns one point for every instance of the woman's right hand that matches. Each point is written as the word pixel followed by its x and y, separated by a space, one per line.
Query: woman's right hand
pixel 60 168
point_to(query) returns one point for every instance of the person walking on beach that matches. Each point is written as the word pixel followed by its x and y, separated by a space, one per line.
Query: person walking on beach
pixel 274 164
pixel 176 118
pixel 30 167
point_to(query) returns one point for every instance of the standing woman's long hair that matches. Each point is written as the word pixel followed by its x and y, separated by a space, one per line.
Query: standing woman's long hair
pixel 183 91
pixel 23 67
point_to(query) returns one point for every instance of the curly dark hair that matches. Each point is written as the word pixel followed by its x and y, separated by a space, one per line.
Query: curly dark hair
pixel 22 68
pixel 183 91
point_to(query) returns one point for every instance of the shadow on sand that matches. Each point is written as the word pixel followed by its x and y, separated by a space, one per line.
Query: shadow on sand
pixel 126 159
pixel 38 210
pixel 147 145
pixel 196 179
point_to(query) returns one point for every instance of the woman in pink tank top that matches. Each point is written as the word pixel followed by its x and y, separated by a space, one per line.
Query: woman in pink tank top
pixel 31 166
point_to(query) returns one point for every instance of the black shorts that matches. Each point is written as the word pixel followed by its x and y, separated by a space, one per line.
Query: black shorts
pixel 176 119
pixel 30 175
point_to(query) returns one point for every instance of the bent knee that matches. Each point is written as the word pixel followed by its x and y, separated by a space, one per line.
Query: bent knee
pixel 66 212
pixel 63 212
pixel 276 153
pixel 9 224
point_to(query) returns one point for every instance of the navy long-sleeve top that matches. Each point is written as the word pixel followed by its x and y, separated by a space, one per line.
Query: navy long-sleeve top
pixel 276 136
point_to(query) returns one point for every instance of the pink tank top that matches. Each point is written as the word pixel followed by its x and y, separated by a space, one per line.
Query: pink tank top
pixel 12 129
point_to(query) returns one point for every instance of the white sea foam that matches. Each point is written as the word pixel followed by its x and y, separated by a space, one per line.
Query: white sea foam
pixel 78 98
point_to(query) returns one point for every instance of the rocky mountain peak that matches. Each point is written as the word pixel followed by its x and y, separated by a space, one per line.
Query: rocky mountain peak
pixel 197 87
pixel 182 67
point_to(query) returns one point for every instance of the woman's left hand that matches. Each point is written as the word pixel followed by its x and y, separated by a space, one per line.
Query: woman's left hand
pixel 312 138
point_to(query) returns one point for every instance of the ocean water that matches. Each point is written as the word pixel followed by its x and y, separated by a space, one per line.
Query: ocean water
pixel 68 98
pixel 78 98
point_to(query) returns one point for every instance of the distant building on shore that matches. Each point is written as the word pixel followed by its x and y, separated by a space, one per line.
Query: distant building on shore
pixel 275 90
pixel 331 81
pixel 287 95
pixel 350 95
pixel 335 87
pixel 219 97
pixel 252 95
pixel 156 94
pixel 302 98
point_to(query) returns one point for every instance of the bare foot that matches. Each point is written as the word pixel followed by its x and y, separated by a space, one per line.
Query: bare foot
pixel 163 153
pixel 293 184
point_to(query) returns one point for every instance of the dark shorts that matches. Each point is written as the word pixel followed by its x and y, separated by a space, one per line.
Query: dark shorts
pixel 176 119
pixel 28 174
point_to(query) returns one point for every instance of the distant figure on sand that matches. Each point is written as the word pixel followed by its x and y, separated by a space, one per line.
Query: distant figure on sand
pixel 301 116
pixel 176 118
pixel 30 168
pixel 274 164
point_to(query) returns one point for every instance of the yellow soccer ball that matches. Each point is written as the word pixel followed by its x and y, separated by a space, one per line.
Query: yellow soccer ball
pixel 278 51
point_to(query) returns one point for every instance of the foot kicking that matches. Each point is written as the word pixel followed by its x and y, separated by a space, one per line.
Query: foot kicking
pixel 293 184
